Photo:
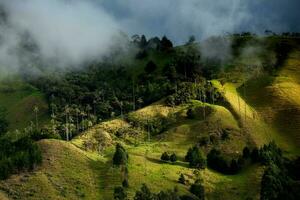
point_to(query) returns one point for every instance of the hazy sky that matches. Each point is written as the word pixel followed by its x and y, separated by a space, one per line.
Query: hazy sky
pixel 181 18
pixel 73 31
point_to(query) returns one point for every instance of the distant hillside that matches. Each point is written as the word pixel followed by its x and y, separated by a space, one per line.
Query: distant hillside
pixel 19 99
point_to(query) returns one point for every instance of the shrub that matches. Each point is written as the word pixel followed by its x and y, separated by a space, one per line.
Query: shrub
pixel 279 180
pixel 181 179
pixel 165 156
pixel 187 197
pixel 18 153
pixel 144 194
pixel 246 152
pixel 198 190
pixel 141 54
pixel 241 161
pixel 225 135
pixel 203 141
pixel 270 154
pixel 196 158
pixel 272 183
pixel 3 121
pixel 216 161
pixel 150 67
pixel 125 183
pixel 119 193
pixel 6 168
pixel 190 114
pixel 234 167
pixel 173 158
pixel 254 155
pixel 214 139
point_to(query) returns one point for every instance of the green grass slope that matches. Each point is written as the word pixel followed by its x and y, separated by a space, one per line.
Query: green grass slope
pixel 66 173
pixel 276 101
pixel 19 99
pixel 145 165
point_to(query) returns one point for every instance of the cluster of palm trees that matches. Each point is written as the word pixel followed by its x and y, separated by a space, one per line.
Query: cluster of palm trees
pixel 71 120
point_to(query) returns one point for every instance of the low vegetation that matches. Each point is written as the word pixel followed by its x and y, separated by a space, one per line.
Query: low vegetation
pixel 18 153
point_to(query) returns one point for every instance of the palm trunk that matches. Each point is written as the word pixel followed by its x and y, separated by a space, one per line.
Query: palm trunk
pixel 67 128
pixel 36 121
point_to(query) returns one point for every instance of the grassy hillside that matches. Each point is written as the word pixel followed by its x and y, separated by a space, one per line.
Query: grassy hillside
pixel 276 102
pixel 145 165
pixel 19 99
pixel 66 173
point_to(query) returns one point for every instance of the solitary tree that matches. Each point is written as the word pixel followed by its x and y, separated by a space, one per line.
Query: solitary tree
pixel 120 157
pixel 181 179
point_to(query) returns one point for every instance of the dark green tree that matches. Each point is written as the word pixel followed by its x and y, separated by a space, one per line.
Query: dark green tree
pixel 170 72
pixel 254 155
pixel 119 193
pixel 234 167
pixel 143 42
pixel 196 158
pixel 166 44
pixel 150 67
pixel 217 162
pixel 246 153
pixel 165 156
pixel 3 121
pixel 272 183
pixel 120 157
pixel 181 179
pixel 198 190
pixel 125 183
pixel 144 194
pixel 173 158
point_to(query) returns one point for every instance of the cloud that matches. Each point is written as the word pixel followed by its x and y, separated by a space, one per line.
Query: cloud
pixel 67 32
pixel 216 48
pixel 70 32
pixel 179 19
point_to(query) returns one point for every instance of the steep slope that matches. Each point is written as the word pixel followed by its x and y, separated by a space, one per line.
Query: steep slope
pixel 276 99
pixel 66 173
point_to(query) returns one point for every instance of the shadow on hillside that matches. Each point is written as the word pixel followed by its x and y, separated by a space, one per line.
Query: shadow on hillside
pixel 158 161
